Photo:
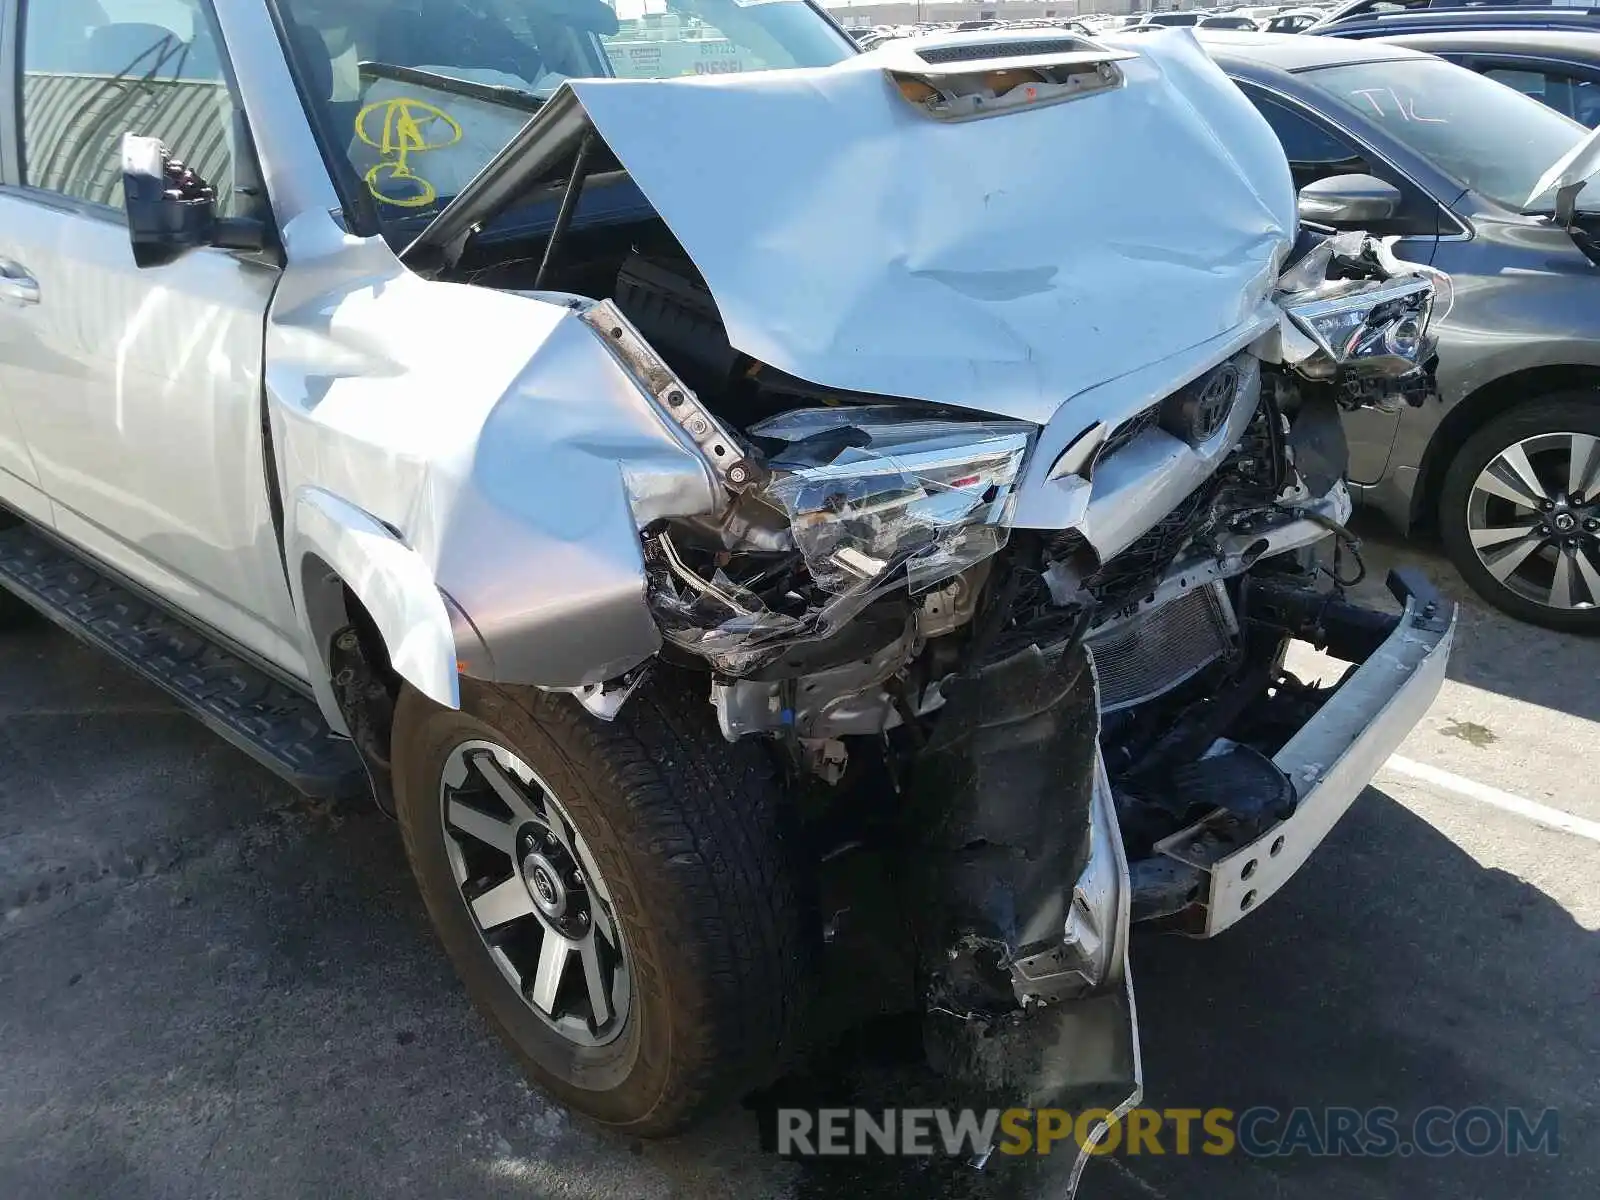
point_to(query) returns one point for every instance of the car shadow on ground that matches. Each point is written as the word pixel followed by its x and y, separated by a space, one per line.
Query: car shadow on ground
pixel 1395 971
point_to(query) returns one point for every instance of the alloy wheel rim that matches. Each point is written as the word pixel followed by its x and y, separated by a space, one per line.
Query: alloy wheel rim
pixel 534 893
pixel 1533 518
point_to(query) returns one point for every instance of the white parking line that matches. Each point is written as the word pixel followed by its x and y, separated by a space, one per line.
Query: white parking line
pixel 1554 818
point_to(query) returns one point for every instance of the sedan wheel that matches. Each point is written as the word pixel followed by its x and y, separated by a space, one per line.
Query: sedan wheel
pixel 1520 513
pixel 1534 519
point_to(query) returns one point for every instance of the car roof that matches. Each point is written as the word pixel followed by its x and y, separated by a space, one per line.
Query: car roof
pixel 1417 20
pixel 1293 51
pixel 1568 45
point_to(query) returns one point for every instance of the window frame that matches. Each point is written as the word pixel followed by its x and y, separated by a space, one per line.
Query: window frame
pixel 1445 224
pixel 11 105
pixel 247 174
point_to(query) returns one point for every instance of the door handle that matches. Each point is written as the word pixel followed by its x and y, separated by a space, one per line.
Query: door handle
pixel 16 285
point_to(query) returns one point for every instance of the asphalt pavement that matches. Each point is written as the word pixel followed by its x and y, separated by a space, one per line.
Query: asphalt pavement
pixel 211 987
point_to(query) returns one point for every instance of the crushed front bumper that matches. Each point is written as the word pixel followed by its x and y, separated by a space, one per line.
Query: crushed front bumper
pixel 1330 760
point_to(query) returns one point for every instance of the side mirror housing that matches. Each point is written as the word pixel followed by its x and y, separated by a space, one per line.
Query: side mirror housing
pixel 1348 201
pixel 171 210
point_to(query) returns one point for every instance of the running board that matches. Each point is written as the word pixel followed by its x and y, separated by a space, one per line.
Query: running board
pixel 277 726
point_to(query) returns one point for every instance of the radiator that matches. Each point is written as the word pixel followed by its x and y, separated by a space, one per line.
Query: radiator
pixel 1140 657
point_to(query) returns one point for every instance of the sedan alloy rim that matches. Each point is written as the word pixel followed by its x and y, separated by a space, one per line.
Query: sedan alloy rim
pixel 1533 518
pixel 534 893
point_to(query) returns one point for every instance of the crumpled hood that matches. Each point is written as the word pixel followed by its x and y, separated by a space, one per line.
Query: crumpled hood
pixel 1003 264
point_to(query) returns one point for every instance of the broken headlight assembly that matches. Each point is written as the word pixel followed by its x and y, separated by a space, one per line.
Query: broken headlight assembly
pixel 872 490
pixel 860 501
pixel 1377 328
pixel 1356 316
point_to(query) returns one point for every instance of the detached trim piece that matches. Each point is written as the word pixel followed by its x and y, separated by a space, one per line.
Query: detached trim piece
pixel 388 577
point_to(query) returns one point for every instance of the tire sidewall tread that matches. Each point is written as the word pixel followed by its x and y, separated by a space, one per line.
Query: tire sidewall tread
pixel 687 831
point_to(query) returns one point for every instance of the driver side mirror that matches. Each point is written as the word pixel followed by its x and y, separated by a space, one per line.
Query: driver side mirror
pixel 171 210
pixel 1348 201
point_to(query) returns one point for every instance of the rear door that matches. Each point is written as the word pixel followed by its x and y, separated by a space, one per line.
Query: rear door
pixel 138 392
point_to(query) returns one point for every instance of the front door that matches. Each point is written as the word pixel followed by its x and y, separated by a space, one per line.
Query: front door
pixel 138 392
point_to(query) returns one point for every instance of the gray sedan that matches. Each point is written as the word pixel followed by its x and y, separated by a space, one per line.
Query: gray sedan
pixel 1505 467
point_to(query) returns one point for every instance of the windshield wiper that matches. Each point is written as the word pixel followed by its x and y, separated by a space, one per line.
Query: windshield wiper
pixel 493 93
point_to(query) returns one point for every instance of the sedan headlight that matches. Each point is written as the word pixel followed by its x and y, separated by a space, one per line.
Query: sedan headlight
pixel 1369 321
pixel 1372 327
pixel 870 490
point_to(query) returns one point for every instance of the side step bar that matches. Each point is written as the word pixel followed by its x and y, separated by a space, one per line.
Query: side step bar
pixel 274 724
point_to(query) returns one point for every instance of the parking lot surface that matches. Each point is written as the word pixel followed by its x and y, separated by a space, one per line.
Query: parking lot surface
pixel 209 986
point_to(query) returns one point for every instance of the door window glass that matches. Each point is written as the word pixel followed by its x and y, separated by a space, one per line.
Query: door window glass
pixel 1314 152
pixel 420 95
pixel 93 70
pixel 1575 98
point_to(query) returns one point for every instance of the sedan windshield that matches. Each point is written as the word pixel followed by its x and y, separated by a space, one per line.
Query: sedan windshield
pixel 1485 136
pixel 417 95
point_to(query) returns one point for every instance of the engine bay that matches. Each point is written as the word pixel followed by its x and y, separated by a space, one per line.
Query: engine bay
pixel 863 566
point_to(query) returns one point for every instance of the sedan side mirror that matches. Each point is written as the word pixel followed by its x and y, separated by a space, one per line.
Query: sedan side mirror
pixel 171 210
pixel 1348 200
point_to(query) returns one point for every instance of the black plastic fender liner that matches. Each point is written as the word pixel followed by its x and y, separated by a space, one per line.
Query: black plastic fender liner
pixel 1000 801
pixel 1004 789
pixel 1317 437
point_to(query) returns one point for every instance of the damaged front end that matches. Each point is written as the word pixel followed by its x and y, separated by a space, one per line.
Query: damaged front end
pixel 1013 529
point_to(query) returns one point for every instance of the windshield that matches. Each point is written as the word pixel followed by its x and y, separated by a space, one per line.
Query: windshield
pixel 417 95
pixel 1485 136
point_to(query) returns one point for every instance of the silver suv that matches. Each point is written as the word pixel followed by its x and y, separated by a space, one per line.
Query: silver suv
pixel 664 493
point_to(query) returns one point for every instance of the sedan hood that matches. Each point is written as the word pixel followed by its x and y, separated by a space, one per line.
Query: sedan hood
pixel 1001 262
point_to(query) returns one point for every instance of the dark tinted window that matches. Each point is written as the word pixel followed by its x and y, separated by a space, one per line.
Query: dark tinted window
pixel 93 70
pixel 1313 151
pixel 1568 95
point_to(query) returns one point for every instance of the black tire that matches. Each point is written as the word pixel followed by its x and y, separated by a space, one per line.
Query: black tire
pixel 685 829
pixel 1563 412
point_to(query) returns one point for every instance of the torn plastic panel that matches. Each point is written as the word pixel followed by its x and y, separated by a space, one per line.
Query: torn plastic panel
pixel 875 498
pixel 1004 792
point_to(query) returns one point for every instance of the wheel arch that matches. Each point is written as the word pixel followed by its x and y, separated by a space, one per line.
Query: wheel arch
pixel 347 568
pixel 1477 409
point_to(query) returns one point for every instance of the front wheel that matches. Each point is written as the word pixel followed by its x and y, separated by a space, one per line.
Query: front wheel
pixel 1520 512
pixel 616 897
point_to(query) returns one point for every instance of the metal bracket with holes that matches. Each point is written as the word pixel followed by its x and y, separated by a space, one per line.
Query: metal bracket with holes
pixel 682 407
